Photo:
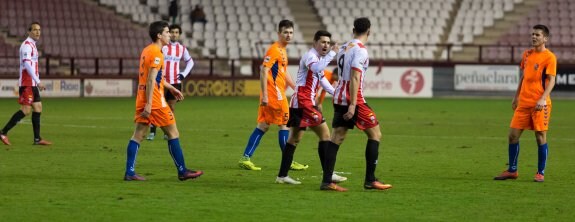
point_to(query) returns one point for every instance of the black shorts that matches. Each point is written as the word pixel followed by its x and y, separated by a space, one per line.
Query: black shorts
pixel 28 95
pixel 363 118
pixel 168 95
pixel 305 117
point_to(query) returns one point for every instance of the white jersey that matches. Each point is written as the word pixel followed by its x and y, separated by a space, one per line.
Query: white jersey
pixel 309 74
pixel 352 56
pixel 173 53
pixel 28 56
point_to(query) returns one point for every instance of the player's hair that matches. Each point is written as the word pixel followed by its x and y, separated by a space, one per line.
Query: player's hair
pixel 285 24
pixel 361 25
pixel 31 24
pixel 542 28
pixel 321 33
pixel 175 26
pixel 156 28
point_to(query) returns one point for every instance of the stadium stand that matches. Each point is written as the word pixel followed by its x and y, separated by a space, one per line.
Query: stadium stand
pixel 394 22
pixel 404 30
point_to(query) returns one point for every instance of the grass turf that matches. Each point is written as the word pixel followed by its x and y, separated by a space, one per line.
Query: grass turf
pixel 440 155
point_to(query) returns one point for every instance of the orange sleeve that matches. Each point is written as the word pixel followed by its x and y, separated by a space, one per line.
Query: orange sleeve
pixel 551 68
pixel 523 57
pixel 271 57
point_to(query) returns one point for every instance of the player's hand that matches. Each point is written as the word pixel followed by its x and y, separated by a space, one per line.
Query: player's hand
pixel 178 94
pixel 335 47
pixel 514 103
pixel 147 110
pixel 542 103
pixel 350 113
pixel 181 77
pixel 41 86
pixel 264 101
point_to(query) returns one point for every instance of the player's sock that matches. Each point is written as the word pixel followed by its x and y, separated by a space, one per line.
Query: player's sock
pixel 287 158
pixel 542 161
pixel 177 155
pixel 253 142
pixel 132 151
pixel 282 138
pixel 13 121
pixel 36 125
pixel 152 129
pixel 513 156
pixel 321 149
pixel 330 158
pixel 371 155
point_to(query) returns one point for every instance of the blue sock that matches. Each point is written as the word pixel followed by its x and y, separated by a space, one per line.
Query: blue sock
pixel 542 161
pixel 253 142
pixel 132 151
pixel 282 137
pixel 513 155
pixel 177 155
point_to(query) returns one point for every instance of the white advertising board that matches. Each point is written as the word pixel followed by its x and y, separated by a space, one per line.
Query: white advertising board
pixel 54 88
pixel 108 88
pixel 486 77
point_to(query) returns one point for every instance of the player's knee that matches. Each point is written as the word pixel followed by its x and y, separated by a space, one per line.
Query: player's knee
pixel 263 127
pixel 512 138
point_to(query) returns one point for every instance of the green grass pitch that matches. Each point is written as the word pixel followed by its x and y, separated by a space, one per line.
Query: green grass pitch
pixel 440 155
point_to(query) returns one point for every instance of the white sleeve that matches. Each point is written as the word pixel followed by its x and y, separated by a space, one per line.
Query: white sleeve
pixel 359 59
pixel 326 85
pixel 189 63
pixel 322 63
pixel 26 53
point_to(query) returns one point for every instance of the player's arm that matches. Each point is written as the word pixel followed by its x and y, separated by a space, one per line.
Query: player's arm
pixel 176 92
pixel 27 61
pixel 264 85
pixel 320 65
pixel 152 73
pixel 189 65
pixel 517 92
pixel 289 80
pixel 353 88
pixel 550 72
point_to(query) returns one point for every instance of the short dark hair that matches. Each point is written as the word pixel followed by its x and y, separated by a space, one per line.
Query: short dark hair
pixel 31 24
pixel 321 33
pixel 175 26
pixel 285 24
pixel 156 28
pixel 542 28
pixel 361 25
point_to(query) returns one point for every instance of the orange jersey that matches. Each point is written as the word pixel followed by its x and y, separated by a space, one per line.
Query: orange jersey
pixel 276 61
pixel 151 57
pixel 536 66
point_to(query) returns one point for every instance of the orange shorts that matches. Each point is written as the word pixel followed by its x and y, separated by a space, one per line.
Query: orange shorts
pixel 277 115
pixel 159 117
pixel 529 119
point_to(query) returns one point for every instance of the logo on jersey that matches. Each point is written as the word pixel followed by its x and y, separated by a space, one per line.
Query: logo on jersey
pixel 157 60
pixel 536 66
pixel 267 59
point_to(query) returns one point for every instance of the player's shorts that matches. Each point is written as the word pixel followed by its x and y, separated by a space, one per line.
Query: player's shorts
pixel 168 95
pixel 29 95
pixel 364 117
pixel 277 115
pixel 304 117
pixel 528 119
pixel 159 117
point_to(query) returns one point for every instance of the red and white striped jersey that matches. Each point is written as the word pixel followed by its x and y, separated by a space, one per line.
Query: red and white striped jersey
pixel 309 74
pixel 352 56
pixel 173 53
pixel 29 55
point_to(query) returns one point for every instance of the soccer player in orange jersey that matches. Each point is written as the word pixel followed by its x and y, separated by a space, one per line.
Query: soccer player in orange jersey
pixel 273 107
pixel 532 103
pixel 151 105
pixel 30 87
